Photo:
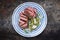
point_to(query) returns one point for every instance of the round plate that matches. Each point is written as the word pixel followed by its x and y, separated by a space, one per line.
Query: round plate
pixel 15 19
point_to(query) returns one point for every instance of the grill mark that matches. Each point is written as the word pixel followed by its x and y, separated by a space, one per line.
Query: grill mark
pixel 25 14
pixel 24 17
pixel 23 20
pixel 22 24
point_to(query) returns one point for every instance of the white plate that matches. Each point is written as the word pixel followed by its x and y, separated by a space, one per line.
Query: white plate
pixel 15 18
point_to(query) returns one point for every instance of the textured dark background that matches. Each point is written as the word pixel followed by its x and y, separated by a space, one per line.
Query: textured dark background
pixel 51 32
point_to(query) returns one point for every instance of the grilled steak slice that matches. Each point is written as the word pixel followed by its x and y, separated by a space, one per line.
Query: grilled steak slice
pixel 23 20
pixel 30 11
pixel 25 25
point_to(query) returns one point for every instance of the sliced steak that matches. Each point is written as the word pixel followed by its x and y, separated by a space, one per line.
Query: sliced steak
pixel 23 20
pixel 25 25
pixel 30 11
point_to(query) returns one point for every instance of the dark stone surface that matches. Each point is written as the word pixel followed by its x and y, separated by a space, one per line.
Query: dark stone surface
pixel 51 32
